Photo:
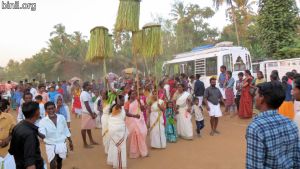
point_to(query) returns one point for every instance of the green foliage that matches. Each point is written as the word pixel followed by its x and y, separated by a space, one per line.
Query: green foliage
pixel 277 23
pixel 290 51
pixel 190 27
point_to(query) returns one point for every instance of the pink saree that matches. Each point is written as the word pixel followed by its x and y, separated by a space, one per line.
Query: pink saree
pixel 137 132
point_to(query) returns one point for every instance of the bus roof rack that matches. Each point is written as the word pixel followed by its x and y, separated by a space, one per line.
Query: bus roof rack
pixel 199 48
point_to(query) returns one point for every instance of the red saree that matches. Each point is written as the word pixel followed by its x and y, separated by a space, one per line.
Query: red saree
pixel 246 105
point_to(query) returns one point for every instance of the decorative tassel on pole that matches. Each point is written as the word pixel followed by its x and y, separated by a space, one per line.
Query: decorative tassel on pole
pixel 152 45
pixel 98 44
pixel 128 16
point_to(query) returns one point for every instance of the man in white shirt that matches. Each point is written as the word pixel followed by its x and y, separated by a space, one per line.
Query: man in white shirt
pixel 88 118
pixel 32 90
pixel 167 88
pixel 54 128
pixel 27 97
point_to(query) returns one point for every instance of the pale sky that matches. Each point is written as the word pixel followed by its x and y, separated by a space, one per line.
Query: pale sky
pixel 23 32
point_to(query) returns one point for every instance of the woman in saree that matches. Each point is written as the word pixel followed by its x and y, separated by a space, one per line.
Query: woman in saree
pixel 137 127
pixel 157 127
pixel 116 155
pixel 287 107
pixel 62 108
pixel 245 110
pixel 183 108
pixel 104 110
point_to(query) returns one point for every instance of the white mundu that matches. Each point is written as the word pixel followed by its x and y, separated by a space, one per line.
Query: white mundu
pixel 157 129
pixel 117 145
pixel 55 136
pixel 184 122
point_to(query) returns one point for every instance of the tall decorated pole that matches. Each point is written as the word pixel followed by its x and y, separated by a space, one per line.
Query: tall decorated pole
pixel 152 45
pixel 128 16
pixel 99 46
pixel 137 44
pixel 128 20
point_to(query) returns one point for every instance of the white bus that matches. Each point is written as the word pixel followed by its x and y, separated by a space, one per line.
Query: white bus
pixel 207 61
pixel 283 66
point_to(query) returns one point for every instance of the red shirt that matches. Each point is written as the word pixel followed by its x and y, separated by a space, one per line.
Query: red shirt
pixel 60 91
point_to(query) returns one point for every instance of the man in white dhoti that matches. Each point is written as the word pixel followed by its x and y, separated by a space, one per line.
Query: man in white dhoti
pixel 56 131
pixel 212 98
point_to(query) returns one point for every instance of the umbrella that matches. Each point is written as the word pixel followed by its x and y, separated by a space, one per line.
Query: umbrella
pixel 130 71
pixel 112 76
pixel 75 79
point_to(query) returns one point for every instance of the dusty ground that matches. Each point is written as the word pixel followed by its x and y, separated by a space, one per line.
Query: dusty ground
pixel 224 151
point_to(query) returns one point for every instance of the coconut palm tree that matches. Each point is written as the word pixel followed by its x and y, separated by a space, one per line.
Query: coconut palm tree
pixel 218 3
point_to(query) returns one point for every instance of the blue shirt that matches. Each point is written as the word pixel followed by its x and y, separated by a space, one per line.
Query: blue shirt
pixel 288 93
pixel 230 83
pixel 52 96
pixel 272 142
pixel 64 87
pixel 222 79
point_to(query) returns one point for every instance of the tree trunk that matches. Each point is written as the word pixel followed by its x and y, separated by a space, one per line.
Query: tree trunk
pixel 235 24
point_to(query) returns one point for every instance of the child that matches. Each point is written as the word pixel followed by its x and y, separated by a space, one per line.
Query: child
pixel 171 132
pixel 39 100
pixel 198 116
pixel 52 93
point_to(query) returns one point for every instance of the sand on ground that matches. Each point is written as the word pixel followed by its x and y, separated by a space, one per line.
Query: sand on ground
pixel 224 151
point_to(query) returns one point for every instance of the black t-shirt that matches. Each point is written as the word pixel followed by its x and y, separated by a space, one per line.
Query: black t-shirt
pixel 25 146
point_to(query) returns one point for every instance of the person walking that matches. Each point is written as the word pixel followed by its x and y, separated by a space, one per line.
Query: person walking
pixel 55 129
pixel 25 145
pixel 157 128
pixel 199 89
pixel 212 98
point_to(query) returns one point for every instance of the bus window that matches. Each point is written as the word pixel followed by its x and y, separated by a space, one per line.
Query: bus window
pixel 176 69
pixel 282 63
pixel 273 64
pixel 255 68
pixel 211 66
pixel 249 62
pixel 239 64
pixel 190 68
pixel 227 61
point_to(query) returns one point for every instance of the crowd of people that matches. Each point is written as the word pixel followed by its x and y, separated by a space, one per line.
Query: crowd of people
pixel 128 109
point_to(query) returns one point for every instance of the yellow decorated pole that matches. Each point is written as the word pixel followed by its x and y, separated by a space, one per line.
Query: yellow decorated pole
pixel 152 45
pixel 128 16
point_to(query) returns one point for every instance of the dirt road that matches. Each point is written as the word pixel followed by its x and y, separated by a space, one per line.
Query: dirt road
pixel 224 151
